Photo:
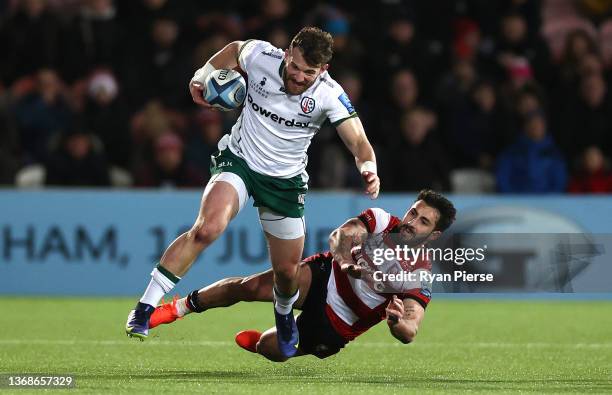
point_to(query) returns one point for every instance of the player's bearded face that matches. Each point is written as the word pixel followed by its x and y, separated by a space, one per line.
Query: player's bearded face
pixel 298 75
pixel 408 235
pixel 418 224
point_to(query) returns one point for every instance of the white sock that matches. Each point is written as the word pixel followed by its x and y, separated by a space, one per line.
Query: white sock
pixel 181 307
pixel 159 285
pixel 283 304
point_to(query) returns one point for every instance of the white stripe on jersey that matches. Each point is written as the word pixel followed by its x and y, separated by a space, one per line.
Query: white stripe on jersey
pixel 382 219
pixel 337 304
pixel 361 289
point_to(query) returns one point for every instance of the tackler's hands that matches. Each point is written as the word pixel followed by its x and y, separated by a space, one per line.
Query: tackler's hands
pixel 197 93
pixel 394 311
pixel 372 183
pixel 352 269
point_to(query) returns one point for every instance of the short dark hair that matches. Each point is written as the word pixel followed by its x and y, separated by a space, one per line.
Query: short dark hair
pixel 316 45
pixel 443 205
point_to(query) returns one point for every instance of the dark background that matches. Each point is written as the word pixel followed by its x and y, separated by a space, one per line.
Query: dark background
pixel 508 96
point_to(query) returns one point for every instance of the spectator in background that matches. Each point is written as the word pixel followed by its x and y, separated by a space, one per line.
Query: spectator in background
pixel 202 141
pixel 578 44
pixel 592 124
pixel 527 100
pixel 271 14
pixel 399 48
pixel 139 15
pixel 160 68
pixel 42 113
pixel 353 86
pixel 593 175
pixel 591 64
pixel 455 86
pixel 348 51
pixel 278 36
pixel 453 90
pixel 584 119
pixel 477 131
pixel 30 40
pixel 9 142
pixel 78 160
pixel 418 160
pixel 169 169
pixel 404 97
pixel 151 122
pixel 533 164
pixel 93 39
pixel 519 77
pixel 515 42
pixel 107 117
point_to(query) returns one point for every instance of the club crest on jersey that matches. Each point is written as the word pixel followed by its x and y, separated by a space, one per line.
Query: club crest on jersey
pixel 308 105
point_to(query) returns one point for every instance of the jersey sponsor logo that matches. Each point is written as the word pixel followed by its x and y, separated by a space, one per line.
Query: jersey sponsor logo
pixel 275 117
pixel 326 81
pixel 225 163
pixel 346 102
pixel 258 87
pixel 307 104
pixel 272 54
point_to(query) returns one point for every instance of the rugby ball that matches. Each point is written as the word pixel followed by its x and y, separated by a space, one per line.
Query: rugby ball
pixel 224 89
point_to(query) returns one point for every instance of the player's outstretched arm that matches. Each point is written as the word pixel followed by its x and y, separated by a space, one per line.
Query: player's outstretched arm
pixel 403 318
pixel 342 240
pixel 227 58
pixel 352 134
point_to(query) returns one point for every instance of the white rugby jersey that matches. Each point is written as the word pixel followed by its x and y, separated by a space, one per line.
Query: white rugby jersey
pixel 274 129
pixel 353 306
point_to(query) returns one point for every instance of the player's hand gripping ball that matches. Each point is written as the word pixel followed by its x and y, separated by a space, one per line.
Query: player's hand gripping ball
pixel 224 89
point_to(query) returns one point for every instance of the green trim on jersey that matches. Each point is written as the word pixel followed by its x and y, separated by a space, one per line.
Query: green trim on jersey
pixel 284 196
pixel 281 69
pixel 240 51
pixel 338 122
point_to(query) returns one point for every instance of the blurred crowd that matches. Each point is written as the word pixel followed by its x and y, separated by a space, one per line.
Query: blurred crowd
pixel 464 95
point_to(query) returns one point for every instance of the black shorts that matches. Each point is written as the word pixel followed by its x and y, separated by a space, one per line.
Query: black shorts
pixel 317 336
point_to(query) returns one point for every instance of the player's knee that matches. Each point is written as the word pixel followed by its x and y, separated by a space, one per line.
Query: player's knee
pixel 287 271
pixel 266 347
pixel 409 335
pixel 205 232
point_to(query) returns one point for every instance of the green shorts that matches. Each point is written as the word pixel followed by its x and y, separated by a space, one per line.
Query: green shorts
pixel 284 196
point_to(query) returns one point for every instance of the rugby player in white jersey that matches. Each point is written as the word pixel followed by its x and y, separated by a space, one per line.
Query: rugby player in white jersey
pixel 290 95
pixel 338 300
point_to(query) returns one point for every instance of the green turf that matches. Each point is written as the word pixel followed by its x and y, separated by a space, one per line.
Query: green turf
pixel 468 345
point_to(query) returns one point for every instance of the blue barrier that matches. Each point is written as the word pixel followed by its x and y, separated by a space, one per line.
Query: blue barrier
pixel 84 242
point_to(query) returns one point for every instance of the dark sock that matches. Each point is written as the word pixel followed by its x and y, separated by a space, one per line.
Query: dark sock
pixel 193 304
pixel 145 309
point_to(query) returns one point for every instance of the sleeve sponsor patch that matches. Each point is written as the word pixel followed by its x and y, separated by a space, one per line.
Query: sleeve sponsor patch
pixel 346 102
pixel 369 219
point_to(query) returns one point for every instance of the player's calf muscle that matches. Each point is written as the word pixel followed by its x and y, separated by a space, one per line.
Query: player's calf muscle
pixel 256 288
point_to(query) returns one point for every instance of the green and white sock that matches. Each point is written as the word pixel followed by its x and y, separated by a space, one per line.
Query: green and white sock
pixel 162 282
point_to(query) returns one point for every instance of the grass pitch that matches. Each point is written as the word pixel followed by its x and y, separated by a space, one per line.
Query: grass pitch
pixel 463 345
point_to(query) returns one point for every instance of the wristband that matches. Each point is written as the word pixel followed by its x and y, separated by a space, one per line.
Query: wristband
pixel 200 75
pixel 368 166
